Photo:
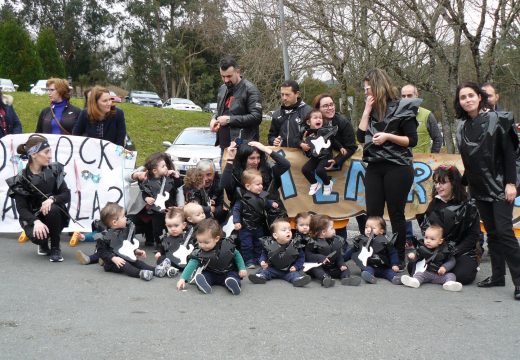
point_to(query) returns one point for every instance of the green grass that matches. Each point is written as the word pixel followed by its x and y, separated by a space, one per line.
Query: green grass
pixel 148 127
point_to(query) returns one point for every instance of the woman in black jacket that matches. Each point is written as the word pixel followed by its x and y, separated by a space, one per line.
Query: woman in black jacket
pixel 458 215
pixel 41 196
pixel 488 145
pixel 388 130
pixel 61 116
pixel 9 122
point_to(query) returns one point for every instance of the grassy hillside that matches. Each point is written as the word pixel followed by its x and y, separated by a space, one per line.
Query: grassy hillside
pixel 148 127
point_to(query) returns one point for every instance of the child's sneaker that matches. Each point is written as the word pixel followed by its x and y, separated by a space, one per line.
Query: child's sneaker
pixel 327 189
pixel 302 281
pixel 146 275
pixel 56 255
pixel 313 189
pixel 452 286
pixel 327 282
pixel 257 278
pixel 43 249
pixel 172 272
pixel 75 238
pixel 250 265
pixel 232 285
pixel 23 237
pixel 410 281
pixel 396 280
pixel 82 257
pixel 351 281
pixel 202 284
pixel 162 268
pixel 368 277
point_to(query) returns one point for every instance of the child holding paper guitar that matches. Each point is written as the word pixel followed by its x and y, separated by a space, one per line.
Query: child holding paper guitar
pixel 120 251
pixel 381 259
pixel 320 152
pixel 158 190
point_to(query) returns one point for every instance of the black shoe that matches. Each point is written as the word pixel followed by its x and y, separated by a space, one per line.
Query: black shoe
pixel 56 255
pixel 302 281
pixel 257 279
pixel 490 282
pixel 43 249
pixel 517 292
pixel 327 282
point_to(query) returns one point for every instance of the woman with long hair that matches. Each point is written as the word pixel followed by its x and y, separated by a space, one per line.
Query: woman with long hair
pixel 388 130
pixel 488 145
pixel 9 122
pixel 100 119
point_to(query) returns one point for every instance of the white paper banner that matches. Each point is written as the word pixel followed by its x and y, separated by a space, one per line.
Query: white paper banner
pixel 95 175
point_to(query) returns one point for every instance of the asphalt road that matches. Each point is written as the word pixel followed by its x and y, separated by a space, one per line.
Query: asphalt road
pixel 71 311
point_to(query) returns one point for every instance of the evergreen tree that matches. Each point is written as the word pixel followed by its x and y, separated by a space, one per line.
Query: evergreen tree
pixel 18 58
pixel 52 64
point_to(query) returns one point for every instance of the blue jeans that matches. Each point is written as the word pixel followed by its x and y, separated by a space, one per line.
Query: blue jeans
pixel 219 279
pixel 385 273
pixel 250 246
pixel 273 273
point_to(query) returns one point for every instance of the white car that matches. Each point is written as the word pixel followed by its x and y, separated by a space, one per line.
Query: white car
pixel 190 146
pixel 181 104
pixel 6 85
pixel 40 88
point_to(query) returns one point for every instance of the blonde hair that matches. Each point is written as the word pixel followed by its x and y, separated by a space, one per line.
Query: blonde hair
pixel 382 89
pixel 249 175
pixel 190 208
pixel 110 213
pixel 194 178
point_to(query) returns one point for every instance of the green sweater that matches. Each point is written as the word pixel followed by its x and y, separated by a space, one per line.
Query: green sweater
pixel 193 264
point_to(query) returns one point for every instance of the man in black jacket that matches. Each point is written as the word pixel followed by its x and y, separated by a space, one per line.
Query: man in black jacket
pixel 286 122
pixel 239 106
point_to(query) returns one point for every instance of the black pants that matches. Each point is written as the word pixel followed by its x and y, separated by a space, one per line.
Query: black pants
pixel 318 165
pixel 319 272
pixel 502 243
pixel 158 227
pixel 465 269
pixel 129 268
pixel 143 225
pixel 389 183
pixel 55 222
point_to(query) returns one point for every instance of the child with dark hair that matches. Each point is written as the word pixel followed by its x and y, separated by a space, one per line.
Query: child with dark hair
pixel 217 257
pixel 282 257
pixel 303 220
pixel 438 261
pixel 194 187
pixel 174 245
pixel 249 216
pixel 161 184
pixel 326 248
pixel 110 245
pixel 383 262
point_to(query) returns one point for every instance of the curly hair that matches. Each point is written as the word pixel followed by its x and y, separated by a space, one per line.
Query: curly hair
pixel 194 179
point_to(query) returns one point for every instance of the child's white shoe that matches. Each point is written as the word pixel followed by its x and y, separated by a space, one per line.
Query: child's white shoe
pixel 410 281
pixel 327 189
pixel 452 286
pixel 313 189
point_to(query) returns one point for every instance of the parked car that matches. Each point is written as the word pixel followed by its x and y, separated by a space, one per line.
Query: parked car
pixel 181 104
pixel 192 145
pixel 40 88
pixel 6 85
pixel 145 98
pixel 210 107
pixel 115 98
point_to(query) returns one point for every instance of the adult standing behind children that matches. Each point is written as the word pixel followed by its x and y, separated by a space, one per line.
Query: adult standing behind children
pixel 61 116
pixel 288 120
pixel 41 196
pixel 9 122
pixel 488 145
pixel 100 120
pixel 239 106
pixel 388 130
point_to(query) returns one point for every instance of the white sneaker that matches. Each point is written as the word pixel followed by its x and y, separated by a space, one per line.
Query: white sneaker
pixel 410 281
pixel 327 189
pixel 313 189
pixel 452 286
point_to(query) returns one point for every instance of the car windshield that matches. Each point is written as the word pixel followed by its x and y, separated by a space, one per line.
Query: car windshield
pixel 196 137
pixel 143 94
pixel 182 101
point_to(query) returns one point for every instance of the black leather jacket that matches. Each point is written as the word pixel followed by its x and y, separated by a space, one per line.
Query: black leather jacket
pixel 489 159
pixel 398 114
pixel 287 123
pixel 68 119
pixel 245 111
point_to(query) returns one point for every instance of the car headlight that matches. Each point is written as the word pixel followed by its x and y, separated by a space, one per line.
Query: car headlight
pixel 174 158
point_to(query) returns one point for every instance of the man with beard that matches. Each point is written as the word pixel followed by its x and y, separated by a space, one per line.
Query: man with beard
pixel 287 121
pixel 239 106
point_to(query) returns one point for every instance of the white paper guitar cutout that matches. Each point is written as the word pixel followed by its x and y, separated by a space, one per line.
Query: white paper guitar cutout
pixel 366 252
pixel 229 227
pixel 127 249
pixel 320 144
pixel 160 201
pixel 310 265
pixel 184 251
pixel 420 266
